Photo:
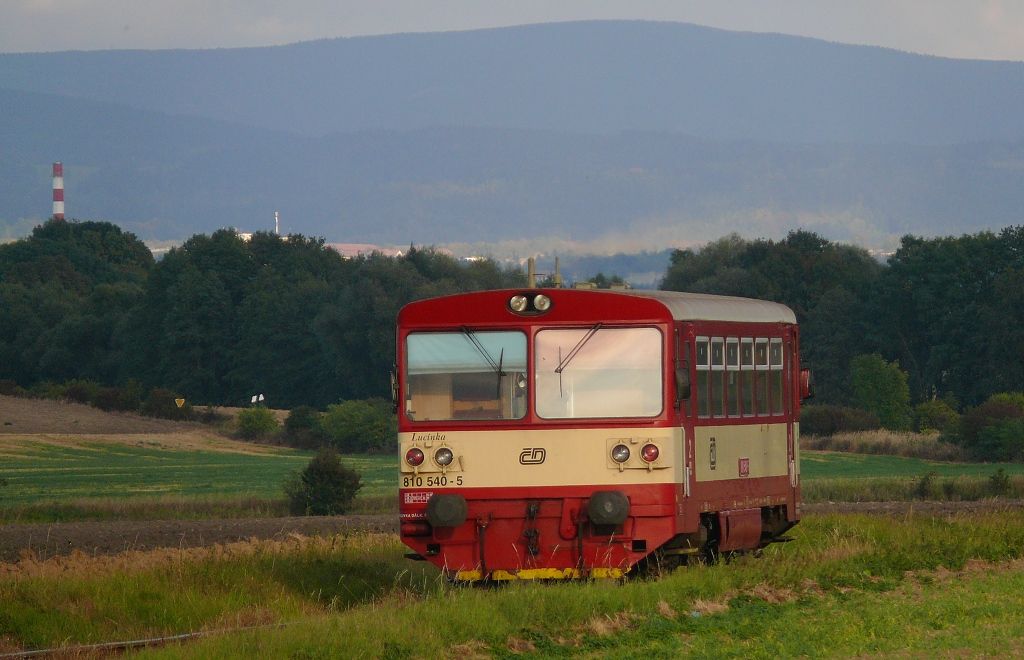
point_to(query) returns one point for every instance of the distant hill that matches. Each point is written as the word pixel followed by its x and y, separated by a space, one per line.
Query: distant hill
pixel 601 76
pixel 626 135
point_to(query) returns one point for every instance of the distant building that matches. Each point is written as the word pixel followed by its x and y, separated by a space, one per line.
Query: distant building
pixel 352 250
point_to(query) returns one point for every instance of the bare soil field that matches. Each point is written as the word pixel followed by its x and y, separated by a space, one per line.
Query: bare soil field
pixel 31 416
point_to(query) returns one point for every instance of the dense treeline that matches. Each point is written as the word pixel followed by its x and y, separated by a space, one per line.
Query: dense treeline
pixel 219 319
pixel 949 311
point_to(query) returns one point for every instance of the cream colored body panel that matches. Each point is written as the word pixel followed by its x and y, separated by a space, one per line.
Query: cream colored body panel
pixel 764 446
pixel 542 457
pixel 796 447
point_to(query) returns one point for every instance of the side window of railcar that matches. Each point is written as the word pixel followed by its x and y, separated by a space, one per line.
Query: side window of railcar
pixel 747 376
pixel 598 372
pixel 732 376
pixel 739 376
pixel 717 377
pixel 703 375
pixel 775 365
pixel 465 375
pixel 761 375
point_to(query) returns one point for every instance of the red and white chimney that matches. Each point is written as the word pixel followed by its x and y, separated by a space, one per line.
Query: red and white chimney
pixel 58 191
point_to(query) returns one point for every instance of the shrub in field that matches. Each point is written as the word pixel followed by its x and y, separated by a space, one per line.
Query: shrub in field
pixel 9 387
pixel 1001 441
pixel 935 415
pixel 46 390
pixel 881 387
pixel 254 423
pixel 992 431
pixel 302 428
pixel 118 398
pixel 999 483
pixel 80 391
pixel 360 426
pixel 926 488
pixel 325 487
pixel 161 403
pixel 827 420
pixel 107 398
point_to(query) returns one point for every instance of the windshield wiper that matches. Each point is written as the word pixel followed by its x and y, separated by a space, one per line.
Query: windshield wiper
pixel 473 339
pixel 501 360
pixel 576 349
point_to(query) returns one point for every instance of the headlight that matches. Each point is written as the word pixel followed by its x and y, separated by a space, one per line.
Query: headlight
pixel 518 303
pixel 620 453
pixel 414 457
pixel 443 456
pixel 541 303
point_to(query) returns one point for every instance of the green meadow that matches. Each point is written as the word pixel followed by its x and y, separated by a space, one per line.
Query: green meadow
pixel 93 478
pixel 76 479
pixel 837 465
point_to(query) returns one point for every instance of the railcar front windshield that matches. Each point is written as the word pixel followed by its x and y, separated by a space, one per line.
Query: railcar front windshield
pixel 598 372
pixel 465 375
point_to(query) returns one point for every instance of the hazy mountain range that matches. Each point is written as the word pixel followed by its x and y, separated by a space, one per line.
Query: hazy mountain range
pixel 617 135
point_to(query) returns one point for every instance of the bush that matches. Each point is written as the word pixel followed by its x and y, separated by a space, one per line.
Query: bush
pixel 81 391
pixel 991 431
pixel 256 423
pixel 46 389
pixel 936 415
pixel 999 483
pixel 209 415
pixel 828 420
pixel 9 387
pixel 325 487
pixel 302 428
pixel 161 403
pixel 360 426
pixel 926 488
pixel 117 398
pixel 1002 441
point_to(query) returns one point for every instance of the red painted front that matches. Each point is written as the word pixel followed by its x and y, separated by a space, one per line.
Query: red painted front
pixel 499 532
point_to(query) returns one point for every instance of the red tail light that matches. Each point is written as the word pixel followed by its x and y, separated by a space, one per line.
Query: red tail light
pixel 650 453
pixel 414 457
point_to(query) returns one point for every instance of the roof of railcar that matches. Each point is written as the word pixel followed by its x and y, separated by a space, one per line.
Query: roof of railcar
pixel 679 305
pixel 706 307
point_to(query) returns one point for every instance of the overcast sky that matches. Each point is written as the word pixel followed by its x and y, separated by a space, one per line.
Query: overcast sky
pixel 985 29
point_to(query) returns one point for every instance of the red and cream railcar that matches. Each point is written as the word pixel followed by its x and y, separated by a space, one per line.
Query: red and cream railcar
pixel 553 433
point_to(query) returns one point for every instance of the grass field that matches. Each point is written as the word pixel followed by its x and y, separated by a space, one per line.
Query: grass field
pixel 75 477
pixel 66 477
pixel 837 465
pixel 849 585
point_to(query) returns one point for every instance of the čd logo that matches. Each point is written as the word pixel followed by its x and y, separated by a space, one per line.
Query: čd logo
pixel 532 456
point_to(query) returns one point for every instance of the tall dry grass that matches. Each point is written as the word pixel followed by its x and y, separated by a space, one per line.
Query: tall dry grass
pixel 928 446
pixel 172 507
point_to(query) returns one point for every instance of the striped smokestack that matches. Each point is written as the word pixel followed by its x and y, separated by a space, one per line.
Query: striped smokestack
pixel 58 191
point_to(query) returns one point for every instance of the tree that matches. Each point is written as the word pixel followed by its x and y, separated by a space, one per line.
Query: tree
pixel 880 387
pixel 360 426
pixel 325 487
